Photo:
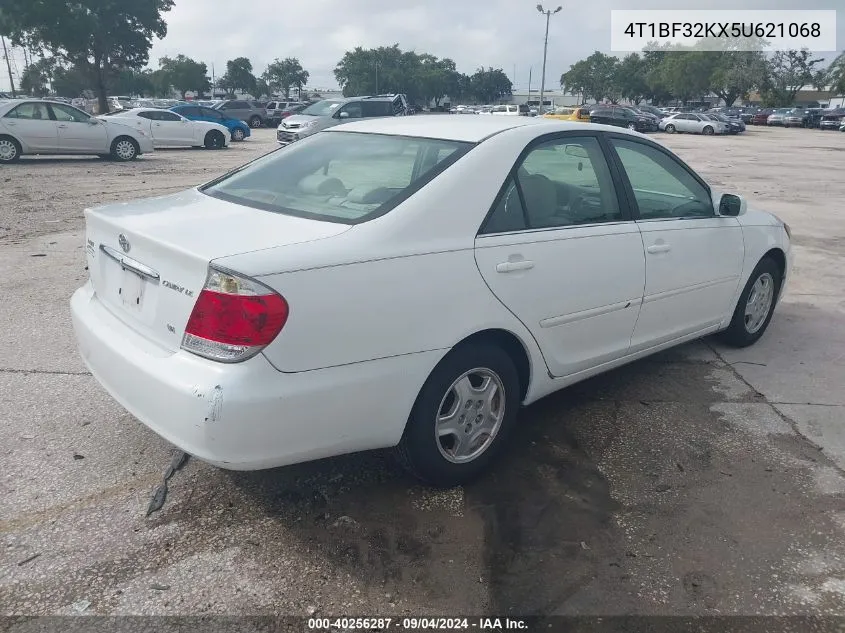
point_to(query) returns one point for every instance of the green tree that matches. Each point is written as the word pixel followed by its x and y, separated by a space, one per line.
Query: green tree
pixel 437 78
pixel 238 76
pixel 835 75
pixel 595 78
pixel 786 73
pixel 36 77
pixel 490 85
pixel 135 82
pixel 184 74
pixel 70 81
pixel 686 73
pixel 98 37
pixel 284 74
pixel 630 78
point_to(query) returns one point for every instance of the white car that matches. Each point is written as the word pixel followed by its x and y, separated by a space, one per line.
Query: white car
pixel 48 127
pixel 168 129
pixel 410 282
pixel 693 124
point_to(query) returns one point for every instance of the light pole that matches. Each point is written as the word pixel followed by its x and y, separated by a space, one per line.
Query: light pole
pixel 548 14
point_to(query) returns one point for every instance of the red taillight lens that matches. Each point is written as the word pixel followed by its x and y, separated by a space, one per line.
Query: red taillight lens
pixel 234 318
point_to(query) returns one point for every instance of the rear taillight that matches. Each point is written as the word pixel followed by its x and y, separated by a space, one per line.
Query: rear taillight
pixel 234 318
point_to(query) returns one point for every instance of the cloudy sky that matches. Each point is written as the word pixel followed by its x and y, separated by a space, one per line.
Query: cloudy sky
pixel 507 34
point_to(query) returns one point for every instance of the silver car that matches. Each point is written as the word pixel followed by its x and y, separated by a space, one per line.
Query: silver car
pixel 330 112
pixel 692 124
pixel 244 110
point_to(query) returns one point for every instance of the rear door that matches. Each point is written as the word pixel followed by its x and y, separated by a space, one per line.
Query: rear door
pixel 693 257
pixel 561 252
pixel 32 124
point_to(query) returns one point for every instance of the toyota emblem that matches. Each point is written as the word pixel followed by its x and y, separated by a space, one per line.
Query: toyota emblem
pixel 124 243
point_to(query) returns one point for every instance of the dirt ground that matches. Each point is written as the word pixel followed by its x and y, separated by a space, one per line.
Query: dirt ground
pixel 702 481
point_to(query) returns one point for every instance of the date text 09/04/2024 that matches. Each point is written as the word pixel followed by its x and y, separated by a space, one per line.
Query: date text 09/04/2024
pixel 416 624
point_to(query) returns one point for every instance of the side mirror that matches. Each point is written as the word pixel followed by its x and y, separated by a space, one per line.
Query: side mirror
pixel 343 115
pixel 93 121
pixel 731 206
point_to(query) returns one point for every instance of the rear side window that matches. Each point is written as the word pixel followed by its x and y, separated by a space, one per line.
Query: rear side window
pixel 30 111
pixel 148 115
pixel 376 108
pixel 342 177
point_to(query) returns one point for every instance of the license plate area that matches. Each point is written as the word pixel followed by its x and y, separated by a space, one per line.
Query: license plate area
pixel 131 290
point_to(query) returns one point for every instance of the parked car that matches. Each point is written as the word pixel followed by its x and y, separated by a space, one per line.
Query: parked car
pixel 49 127
pixel 275 111
pixel 238 129
pixel 692 123
pixel 777 117
pixel 287 330
pixel 652 110
pixel 747 114
pixel 831 120
pixel 645 113
pixel 509 110
pixel 623 117
pixel 169 129
pixel 797 117
pixel 330 112
pixel 570 114
pixel 243 110
pixel 734 124
pixel 761 117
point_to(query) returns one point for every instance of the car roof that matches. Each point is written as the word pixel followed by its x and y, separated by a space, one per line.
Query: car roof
pixel 454 128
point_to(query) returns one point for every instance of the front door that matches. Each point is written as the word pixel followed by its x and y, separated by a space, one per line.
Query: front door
pixel 32 124
pixel 693 257
pixel 170 129
pixel 79 132
pixel 562 254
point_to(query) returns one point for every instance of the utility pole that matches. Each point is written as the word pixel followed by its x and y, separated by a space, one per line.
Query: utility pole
pixel 548 15
pixel 8 66
pixel 530 68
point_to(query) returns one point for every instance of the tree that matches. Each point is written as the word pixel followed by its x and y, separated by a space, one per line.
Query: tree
pixel 98 37
pixel 595 77
pixel 686 73
pixel 282 75
pixel 184 74
pixel 36 77
pixel 786 73
pixel 238 76
pixel 144 83
pixel 835 75
pixel 70 81
pixel 437 78
pixel 737 73
pixel 490 85
pixel 630 78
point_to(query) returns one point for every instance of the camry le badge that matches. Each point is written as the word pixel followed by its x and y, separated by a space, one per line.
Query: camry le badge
pixel 124 243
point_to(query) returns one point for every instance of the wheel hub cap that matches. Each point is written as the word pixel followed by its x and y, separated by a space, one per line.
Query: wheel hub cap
pixel 759 303
pixel 7 150
pixel 470 415
pixel 125 149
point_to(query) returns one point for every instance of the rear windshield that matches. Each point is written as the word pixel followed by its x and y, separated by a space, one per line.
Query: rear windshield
pixel 345 177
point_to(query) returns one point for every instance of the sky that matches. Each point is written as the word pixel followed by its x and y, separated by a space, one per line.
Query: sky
pixel 505 34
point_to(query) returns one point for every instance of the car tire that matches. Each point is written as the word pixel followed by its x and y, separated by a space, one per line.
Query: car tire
pixel 10 150
pixel 437 459
pixel 756 305
pixel 124 149
pixel 632 126
pixel 215 140
pixel 255 122
pixel 238 134
pixel 708 130
pixel 670 129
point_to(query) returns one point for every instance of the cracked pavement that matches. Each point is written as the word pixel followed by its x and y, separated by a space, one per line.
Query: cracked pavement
pixel 701 481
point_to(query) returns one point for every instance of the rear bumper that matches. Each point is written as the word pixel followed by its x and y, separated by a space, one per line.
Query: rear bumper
pixel 247 416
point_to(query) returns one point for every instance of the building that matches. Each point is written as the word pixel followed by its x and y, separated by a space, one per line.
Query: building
pixel 551 98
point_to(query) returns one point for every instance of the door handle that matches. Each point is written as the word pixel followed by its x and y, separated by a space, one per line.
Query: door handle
pixel 508 267
pixel 659 248
pixel 61 126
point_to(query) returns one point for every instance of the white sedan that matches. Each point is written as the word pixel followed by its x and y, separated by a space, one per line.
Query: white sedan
pixel 49 127
pixel 168 129
pixel 409 282
pixel 692 123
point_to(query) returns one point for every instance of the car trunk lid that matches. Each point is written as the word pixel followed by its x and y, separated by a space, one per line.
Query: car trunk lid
pixel 148 259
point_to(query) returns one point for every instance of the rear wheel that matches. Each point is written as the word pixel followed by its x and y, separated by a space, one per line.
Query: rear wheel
pixel 255 122
pixel 125 149
pixel 632 126
pixel 10 151
pixel 670 129
pixel 238 134
pixel 462 416
pixel 214 140
pixel 708 130
pixel 756 305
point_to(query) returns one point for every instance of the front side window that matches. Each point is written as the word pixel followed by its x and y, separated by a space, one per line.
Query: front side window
pixel 663 188
pixel 68 113
pixel 563 182
pixel 148 114
pixel 339 176
pixel 30 111
pixel 353 110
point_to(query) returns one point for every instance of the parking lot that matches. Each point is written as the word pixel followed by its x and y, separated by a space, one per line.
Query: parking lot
pixel 704 480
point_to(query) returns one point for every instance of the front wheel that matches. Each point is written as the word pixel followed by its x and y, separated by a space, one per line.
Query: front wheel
pixel 462 416
pixel 756 305
pixel 214 140
pixel 632 126
pixel 255 122
pixel 708 130
pixel 10 151
pixel 238 134
pixel 124 149
pixel 670 129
